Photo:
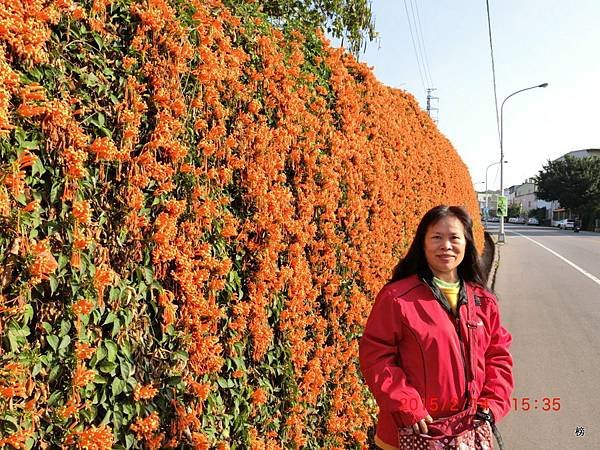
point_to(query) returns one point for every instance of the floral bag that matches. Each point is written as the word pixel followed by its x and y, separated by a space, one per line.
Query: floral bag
pixel 462 431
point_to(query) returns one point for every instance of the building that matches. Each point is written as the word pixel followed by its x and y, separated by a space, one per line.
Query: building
pixel 525 196
pixel 586 153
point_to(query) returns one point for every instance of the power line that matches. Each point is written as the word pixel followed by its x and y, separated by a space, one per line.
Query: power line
pixel 424 55
pixel 487 4
pixel 414 47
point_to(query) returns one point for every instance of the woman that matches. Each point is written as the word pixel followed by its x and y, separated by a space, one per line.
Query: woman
pixel 433 346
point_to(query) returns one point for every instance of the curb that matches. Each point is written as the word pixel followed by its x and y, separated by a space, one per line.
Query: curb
pixel 495 262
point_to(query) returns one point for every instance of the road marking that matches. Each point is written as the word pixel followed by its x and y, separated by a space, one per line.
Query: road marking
pixel 572 264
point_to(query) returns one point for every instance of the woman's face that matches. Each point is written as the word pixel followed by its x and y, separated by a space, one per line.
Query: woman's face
pixel 445 245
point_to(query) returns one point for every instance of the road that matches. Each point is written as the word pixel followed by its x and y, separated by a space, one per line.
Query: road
pixel 550 301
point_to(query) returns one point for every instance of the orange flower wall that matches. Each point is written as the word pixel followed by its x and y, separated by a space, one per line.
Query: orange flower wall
pixel 197 210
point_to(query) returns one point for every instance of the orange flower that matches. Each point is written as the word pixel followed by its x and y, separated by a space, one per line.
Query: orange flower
pixel 75 259
pixel 69 409
pixel 102 278
pixel 96 438
pixel 82 306
pixel 32 206
pixel 128 62
pixel 18 439
pixel 144 428
pixel 16 182
pixel 104 148
pixel 75 160
pixel 29 110
pixel 144 392
pixel 4 202
pixel 83 350
pixel 43 263
pixel 82 212
pixel 83 376
pixel 26 159
pixel 8 392
pixel 259 397
pixel 200 441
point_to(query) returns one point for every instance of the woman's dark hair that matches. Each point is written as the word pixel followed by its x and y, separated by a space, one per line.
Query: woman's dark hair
pixel 415 262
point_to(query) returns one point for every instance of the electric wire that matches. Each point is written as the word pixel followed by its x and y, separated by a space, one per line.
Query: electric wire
pixel 415 47
pixel 487 4
pixel 424 55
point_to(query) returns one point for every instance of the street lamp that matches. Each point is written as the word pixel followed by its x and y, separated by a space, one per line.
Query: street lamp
pixel 501 237
pixel 486 190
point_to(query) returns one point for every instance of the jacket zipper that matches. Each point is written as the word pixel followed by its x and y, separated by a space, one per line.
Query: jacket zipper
pixel 462 354
pixel 437 294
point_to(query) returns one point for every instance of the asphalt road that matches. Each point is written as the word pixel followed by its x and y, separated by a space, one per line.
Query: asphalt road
pixel 550 302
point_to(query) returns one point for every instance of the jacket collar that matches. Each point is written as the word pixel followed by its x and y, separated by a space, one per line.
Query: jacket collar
pixel 427 278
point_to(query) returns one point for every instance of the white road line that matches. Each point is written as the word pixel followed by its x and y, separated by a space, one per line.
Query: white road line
pixel 572 264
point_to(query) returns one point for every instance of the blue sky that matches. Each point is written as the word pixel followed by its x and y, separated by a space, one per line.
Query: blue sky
pixel 535 41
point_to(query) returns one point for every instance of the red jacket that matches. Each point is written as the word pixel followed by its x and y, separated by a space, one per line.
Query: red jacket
pixel 415 355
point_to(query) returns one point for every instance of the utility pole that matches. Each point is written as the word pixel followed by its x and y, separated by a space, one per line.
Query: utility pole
pixel 429 107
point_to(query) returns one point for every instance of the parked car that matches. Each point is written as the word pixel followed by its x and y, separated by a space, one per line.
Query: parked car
pixel 566 224
pixel 512 220
pixel 533 221
pixel 521 220
pixel 493 219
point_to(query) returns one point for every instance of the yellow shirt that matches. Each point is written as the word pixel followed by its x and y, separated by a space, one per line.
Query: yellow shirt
pixel 450 291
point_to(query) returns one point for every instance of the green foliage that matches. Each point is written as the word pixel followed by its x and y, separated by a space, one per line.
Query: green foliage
pixel 348 20
pixel 514 210
pixel 538 213
pixel 574 182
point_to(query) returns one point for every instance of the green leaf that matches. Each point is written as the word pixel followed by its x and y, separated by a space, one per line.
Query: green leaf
pixel 110 318
pixel 37 168
pixel 117 386
pixel 46 326
pixel 65 327
pixel 111 349
pixel 62 261
pixel 27 313
pixel 148 275
pixel 54 373
pixel 126 368
pixel 53 341
pixel 53 283
pixel 36 369
pixel 101 353
pixel 99 379
pixel 116 327
pixel 107 417
pixel 223 383
pixel 129 441
pixel 64 343
pixel 107 367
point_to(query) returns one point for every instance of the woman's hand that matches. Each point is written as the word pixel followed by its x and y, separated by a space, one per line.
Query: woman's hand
pixel 421 425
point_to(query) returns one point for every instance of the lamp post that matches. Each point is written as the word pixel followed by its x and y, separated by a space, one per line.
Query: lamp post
pixel 487 195
pixel 501 237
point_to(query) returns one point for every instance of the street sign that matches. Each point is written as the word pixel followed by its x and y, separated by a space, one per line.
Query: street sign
pixel 502 206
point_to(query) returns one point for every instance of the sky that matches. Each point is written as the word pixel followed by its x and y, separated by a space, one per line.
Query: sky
pixel 535 41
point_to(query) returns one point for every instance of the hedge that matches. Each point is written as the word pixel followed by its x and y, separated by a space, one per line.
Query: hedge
pixel 197 207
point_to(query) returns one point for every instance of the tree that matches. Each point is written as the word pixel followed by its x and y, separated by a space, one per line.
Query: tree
pixel 574 182
pixel 348 20
pixel 538 213
pixel 514 210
